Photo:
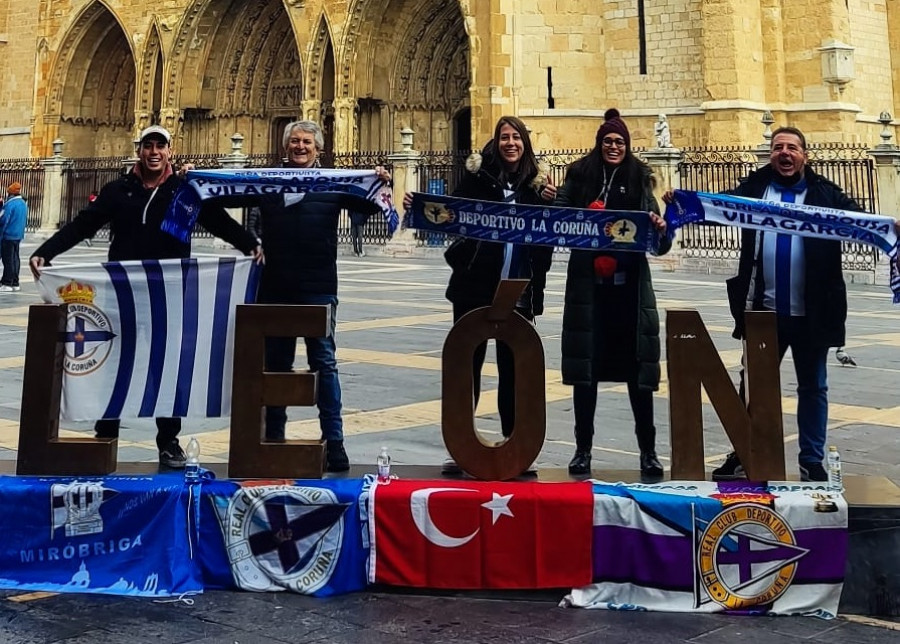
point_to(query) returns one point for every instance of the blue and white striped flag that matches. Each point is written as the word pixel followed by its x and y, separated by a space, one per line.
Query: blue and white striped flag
pixel 149 338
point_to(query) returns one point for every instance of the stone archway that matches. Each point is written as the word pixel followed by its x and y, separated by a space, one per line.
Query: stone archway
pixel 320 106
pixel 406 63
pixel 93 86
pixel 151 82
pixel 235 68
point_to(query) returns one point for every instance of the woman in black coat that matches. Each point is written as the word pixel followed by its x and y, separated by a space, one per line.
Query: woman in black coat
pixel 505 171
pixel 610 322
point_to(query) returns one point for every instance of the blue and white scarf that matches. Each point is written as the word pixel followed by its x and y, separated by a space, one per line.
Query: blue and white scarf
pixel 790 218
pixel 540 225
pixel 293 183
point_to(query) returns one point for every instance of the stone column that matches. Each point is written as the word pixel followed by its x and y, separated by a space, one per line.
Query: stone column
pixel 234 160
pixel 887 170
pixel 52 202
pixel 311 110
pixel 344 124
pixel 664 162
pixel 405 164
pixel 170 118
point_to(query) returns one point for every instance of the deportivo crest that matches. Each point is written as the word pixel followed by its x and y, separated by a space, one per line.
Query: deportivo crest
pixel 746 556
pixel 621 230
pixel 437 213
pixel 283 536
pixel 88 337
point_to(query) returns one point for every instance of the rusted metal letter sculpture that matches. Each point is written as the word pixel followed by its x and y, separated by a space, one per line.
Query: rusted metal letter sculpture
pixel 41 450
pixel 511 457
pixel 756 431
pixel 250 456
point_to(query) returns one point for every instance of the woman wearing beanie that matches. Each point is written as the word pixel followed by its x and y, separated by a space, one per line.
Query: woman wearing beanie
pixel 610 322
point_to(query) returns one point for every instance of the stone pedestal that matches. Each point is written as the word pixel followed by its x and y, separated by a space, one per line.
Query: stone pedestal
pixel 405 165
pixel 664 162
pixel 887 169
pixel 51 210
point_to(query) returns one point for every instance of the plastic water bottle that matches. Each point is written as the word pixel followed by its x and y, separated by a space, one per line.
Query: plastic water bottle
pixel 835 480
pixel 384 466
pixel 192 467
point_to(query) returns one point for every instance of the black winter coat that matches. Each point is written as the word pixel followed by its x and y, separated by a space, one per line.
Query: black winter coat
pixel 301 242
pixel 826 293
pixel 134 214
pixel 578 334
pixel 477 264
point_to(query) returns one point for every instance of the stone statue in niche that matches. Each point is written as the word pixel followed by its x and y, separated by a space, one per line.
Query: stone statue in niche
pixel 663 136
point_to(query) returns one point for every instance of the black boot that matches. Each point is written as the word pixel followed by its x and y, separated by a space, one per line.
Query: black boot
pixel 651 468
pixel 336 457
pixel 584 439
pixel 581 462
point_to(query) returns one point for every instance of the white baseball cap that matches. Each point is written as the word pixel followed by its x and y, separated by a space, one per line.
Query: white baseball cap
pixel 158 130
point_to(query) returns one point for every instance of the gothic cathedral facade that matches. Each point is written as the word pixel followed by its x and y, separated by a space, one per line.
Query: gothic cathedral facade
pixel 94 72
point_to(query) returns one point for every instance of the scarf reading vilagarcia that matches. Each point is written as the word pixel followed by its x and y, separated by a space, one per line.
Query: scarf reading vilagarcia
pixel 292 183
pixel 877 231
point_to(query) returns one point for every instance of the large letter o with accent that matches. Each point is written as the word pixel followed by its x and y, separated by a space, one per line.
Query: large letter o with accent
pixel 511 457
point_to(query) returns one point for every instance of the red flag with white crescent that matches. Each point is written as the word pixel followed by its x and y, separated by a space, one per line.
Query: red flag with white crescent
pixel 476 534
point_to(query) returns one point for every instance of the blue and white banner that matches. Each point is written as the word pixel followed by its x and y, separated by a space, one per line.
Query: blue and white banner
pixel 541 225
pixel 149 338
pixel 292 183
pixel 117 535
pixel 877 231
pixel 308 537
pixel 739 547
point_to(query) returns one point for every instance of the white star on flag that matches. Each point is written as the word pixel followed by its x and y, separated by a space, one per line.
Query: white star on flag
pixel 498 506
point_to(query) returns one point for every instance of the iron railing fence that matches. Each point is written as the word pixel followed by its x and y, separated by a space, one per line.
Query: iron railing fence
pixel 30 173
pixel 720 169
pixel 851 167
pixel 714 169
pixel 84 175
pixel 375 230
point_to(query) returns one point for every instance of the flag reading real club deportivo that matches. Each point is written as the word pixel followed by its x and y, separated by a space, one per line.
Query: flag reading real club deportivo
pixel 149 338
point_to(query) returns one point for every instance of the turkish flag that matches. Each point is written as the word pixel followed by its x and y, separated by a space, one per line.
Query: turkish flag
pixel 476 534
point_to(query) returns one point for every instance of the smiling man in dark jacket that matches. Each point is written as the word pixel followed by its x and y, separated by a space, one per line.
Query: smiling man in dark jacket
pixel 801 280
pixel 134 206
pixel 301 241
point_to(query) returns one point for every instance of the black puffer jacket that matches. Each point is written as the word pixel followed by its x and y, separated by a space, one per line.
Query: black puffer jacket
pixel 477 264
pixel 301 242
pixel 134 214
pixel 826 293
pixel 578 316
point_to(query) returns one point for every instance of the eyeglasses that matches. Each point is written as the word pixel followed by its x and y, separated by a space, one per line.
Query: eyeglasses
pixel 619 143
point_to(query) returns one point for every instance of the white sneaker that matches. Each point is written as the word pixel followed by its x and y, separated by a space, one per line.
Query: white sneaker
pixel 9 289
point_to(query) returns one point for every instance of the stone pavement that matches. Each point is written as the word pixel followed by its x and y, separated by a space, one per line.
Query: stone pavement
pixel 394 618
pixel 391 325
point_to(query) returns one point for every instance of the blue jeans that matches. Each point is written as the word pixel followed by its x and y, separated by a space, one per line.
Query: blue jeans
pixel 320 353
pixel 812 386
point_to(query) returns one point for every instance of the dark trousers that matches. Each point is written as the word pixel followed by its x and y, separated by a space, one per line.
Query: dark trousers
pixel 9 255
pixel 584 402
pixel 167 430
pixel 506 376
pixel 810 362
pixel 356 238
